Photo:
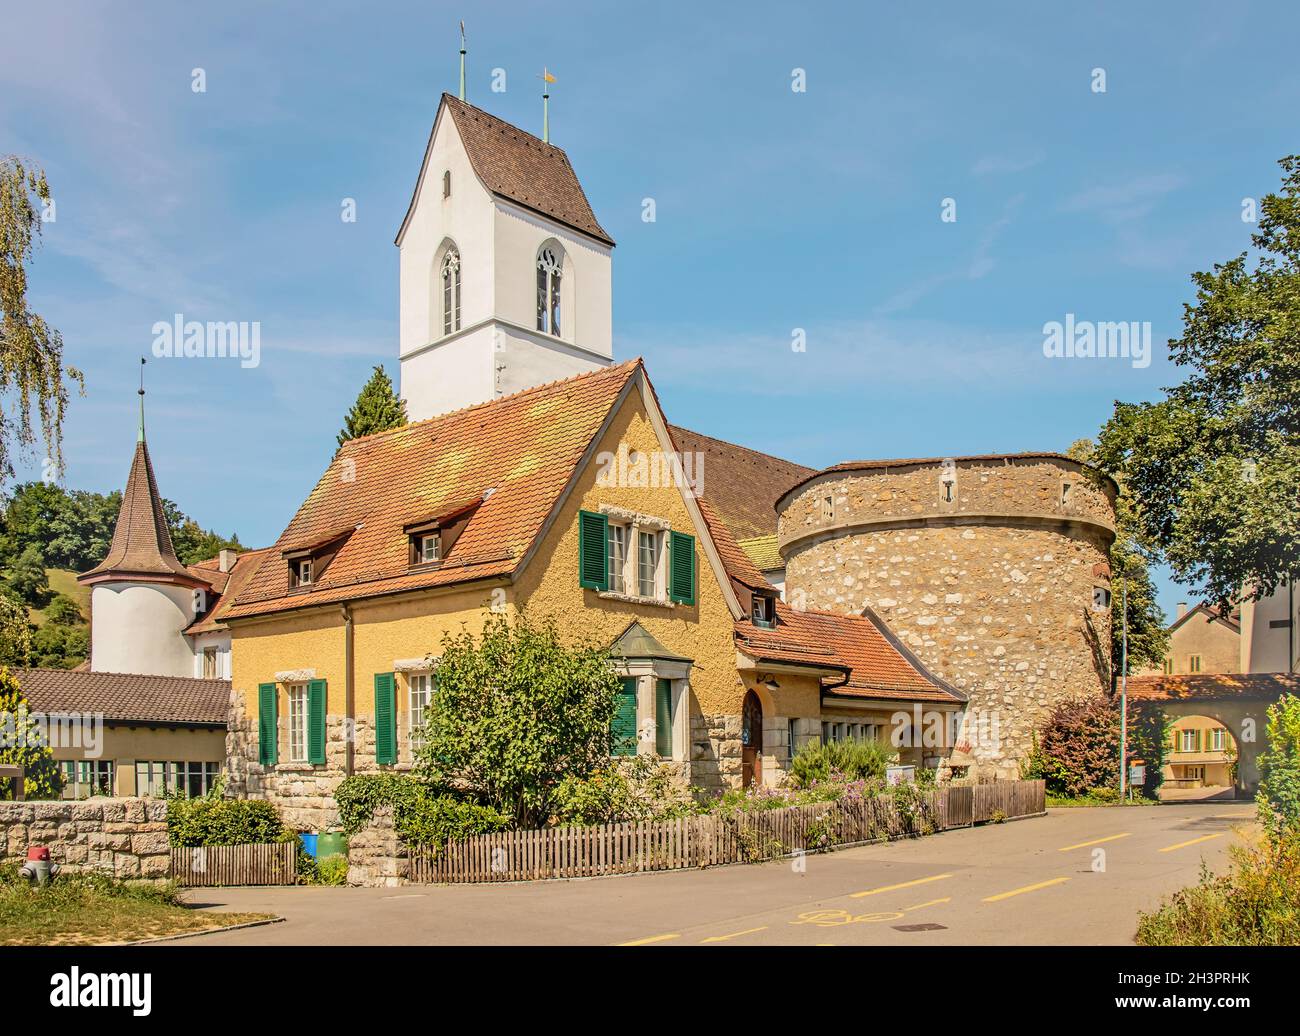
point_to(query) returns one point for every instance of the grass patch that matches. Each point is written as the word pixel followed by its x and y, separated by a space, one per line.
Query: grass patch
pixel 1107 798
pixel 62 581
pixel 85 910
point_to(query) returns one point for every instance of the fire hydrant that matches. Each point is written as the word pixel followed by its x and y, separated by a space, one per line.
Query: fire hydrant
pixel 38 867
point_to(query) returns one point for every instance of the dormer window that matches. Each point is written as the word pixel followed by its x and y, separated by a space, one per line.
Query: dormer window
pixel 548 290
pixel 764 611
pixel 428 547
pixel 300 572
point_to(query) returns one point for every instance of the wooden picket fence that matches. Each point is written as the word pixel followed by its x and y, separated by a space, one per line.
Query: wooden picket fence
pixel 270 863
pixel 716 839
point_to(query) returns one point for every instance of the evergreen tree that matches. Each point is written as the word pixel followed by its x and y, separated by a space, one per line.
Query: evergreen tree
pixel 23 743
pixel 377 409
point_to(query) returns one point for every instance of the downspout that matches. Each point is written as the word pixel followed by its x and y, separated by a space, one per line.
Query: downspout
pixel 349 693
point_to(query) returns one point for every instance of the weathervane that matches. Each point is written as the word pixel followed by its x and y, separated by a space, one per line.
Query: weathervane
pixel 547 79
pixel 140 430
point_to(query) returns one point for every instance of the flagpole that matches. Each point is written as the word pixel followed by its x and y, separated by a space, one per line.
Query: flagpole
pixel 546 107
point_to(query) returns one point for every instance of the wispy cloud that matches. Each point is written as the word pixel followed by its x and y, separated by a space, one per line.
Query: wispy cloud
pixel 1127 201
pixel 1007 163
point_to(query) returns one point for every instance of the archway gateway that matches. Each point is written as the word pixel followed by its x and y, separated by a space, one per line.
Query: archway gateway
pixel 1237 702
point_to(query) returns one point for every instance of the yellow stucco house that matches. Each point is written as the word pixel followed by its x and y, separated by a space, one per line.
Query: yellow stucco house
pixel 561 499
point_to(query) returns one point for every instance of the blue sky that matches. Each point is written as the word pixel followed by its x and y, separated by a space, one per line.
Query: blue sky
pixel 775 210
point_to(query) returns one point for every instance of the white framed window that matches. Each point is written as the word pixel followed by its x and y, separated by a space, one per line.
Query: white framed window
pixel 297 722
pixel 618 535
pixel 451 291
pixel 303 571
pixel 420 691
pixel 1218 739
pixel 430 547
pixel 648 544
pixel 548 291
pixel 83 778
pixel 1187 741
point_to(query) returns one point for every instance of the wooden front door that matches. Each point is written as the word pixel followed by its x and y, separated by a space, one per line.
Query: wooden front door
pixel 751 740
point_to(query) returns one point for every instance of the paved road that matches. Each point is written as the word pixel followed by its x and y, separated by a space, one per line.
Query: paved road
pixel 1076 876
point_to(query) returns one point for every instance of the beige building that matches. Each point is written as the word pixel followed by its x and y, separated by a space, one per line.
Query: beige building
pixel 1202 640
pixel 1201 754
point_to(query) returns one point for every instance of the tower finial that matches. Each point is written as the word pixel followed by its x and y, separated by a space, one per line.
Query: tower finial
pixel 139 437
pixel 547 80
pixel 462 59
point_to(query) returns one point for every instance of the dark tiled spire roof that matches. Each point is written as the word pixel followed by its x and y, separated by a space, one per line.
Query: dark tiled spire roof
pixel 141 545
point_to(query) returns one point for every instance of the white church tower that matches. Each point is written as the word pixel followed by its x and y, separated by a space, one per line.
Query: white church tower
pixel 505 272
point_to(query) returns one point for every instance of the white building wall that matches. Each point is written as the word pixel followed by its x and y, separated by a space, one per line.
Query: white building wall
pixel 1265 637
pixel 498 349
pixel 204 641
pixel 136 628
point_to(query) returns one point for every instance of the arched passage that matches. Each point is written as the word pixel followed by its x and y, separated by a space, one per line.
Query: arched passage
pixel 1201 756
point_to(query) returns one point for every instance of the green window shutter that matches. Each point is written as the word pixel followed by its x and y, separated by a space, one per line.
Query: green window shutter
pixel 664 718
pixel 681 567
pixel 1198 741
pixel 593 550
pixel 268 727
pixel 316 722
pixel 623 727
pixel 385 719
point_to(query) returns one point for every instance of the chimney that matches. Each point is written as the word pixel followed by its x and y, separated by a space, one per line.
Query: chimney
pixel 226 561
pixel 1182 605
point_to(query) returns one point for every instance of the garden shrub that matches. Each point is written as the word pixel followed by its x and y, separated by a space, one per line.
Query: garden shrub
pixel 1077 748
pixel 217 821
pixel 850 760
pixel 639 787
pixel 423 814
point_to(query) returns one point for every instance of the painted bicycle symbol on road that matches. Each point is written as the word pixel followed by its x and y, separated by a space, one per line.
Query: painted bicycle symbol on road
pixel 835 918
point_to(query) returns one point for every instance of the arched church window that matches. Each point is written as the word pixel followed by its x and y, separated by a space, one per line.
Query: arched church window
pixel 451 291
pixel 548 291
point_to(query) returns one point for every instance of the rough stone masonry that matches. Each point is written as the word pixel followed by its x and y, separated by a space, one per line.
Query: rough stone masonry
pixel 993 570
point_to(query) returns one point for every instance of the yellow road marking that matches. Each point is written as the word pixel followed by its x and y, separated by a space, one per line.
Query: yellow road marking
pixel 1193 841
pixel 933 902
pixel 900 885
pixel 733 935
pixel 1095 841
pixel 1027 888
pixel 653 938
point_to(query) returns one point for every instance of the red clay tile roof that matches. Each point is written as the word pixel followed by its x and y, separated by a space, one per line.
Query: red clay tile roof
pixel 141 545
pixel 220 600
pixel 739 565
pixel 516 165
pixel 1213 686
pixel 903 462
pixel 877 665
pixel 525 447
pixel 127 697
pixel 743 485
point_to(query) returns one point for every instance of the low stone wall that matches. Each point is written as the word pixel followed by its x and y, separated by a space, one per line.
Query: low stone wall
pixel 126 838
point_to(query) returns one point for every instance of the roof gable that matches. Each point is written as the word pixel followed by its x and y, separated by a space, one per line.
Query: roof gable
pixel 523 451
pixel 514 165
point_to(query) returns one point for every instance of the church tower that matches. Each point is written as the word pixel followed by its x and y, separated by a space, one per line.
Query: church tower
pixel 141 596
pixel 505 272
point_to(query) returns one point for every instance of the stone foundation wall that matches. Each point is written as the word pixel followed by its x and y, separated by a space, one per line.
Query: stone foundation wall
pixel 124 838
pixel 716 760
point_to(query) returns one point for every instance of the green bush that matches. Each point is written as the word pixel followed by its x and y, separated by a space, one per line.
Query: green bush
pixel 423 814
pixel 638 787
pixel 839 760
pixel 1256 904
pixel 217 821
pixel 333 870
pixel 1279 769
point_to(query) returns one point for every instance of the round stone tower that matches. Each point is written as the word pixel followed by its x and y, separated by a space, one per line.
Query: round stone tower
pixel 992 569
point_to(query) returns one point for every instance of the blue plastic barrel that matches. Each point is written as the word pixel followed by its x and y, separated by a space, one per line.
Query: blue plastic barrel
pixel 309 843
